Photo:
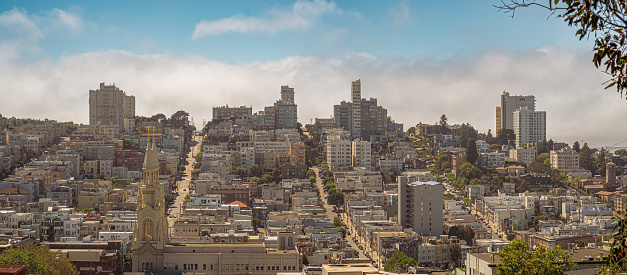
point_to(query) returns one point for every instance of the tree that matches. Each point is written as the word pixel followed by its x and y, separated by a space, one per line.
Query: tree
pixel 277 174
pixel 337 222
pixel 456 254
pixel 505 136
pixel 443 125
pixel 576 146
pixel 466 132
pixel 469 171
pixel 255 179
pixel 585 158
pixel 305 260
pixel 399 260
pixel 471 151
pixel 336 198
pixel 605 20
pixel 38 260
pixel 255 170
pixel 618 250
pixel 516 258
pixel 266 178
pixel 180 119
pixel 158 117
pixel 621 152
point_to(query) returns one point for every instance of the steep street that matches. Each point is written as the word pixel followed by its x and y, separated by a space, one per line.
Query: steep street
pixel 183 185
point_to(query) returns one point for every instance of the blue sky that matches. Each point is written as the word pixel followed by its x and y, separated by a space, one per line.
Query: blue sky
pixel 421 59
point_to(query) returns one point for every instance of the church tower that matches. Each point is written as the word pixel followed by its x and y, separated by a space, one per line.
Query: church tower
pixel 151 229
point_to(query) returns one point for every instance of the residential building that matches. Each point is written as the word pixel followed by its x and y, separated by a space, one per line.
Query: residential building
pixel 110 106
pixel 529 126
pixel 421 206
pixel 565 160
pixel 509 104
pixel 226 112
pixel 522 154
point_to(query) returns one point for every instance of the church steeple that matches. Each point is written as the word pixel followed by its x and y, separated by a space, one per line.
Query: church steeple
pixel 152 224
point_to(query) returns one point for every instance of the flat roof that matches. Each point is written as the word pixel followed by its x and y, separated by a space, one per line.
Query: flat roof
pixel 425 183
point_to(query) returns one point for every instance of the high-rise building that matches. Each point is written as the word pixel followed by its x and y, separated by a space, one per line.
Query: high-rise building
pixel 356 109
pixel 498 119
pixel 420 206
pixel 363 118
pixel 361 153
pixel 529 126
pixel 110 106
pixel 509 104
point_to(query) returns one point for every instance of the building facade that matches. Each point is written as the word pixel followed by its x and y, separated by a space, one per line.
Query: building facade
pixel 420 206
pixel 529 126
pixel 110 106
pixel 565 160
pixel 509 104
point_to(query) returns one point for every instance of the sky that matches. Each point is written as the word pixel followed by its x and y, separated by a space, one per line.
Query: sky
pixel 420 59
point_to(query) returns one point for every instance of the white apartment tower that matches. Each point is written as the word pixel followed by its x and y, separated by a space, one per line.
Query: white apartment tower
pixel 356 109
pixel 420 206
pixel 110 106
pixel 529 126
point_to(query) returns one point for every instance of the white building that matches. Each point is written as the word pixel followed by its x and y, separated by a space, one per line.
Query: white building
pixel 529 126
pixel 565 160
pixel 421 206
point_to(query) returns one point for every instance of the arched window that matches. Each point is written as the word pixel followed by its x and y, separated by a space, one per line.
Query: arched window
pixel 148 230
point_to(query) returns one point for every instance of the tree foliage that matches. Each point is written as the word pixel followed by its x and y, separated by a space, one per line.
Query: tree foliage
pixel 399 260
pixel 462 232
pixel 38 260
pixel 336 198
pixel 471 151
pixel 443 125
pixel 469 171
pixel 516 258
pixel 466 132
pixel 605 20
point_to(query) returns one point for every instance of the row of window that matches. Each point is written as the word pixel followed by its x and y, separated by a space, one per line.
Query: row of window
pixel 243 267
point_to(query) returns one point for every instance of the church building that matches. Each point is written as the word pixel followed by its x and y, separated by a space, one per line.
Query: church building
pixel 154 252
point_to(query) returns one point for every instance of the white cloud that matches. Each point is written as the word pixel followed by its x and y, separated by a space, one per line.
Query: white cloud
pixel 19 22
pixel 400 14
pixel 67 20
pixel 565 83
pixel 302 15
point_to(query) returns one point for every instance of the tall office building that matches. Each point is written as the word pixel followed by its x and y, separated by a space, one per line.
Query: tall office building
pixel 509 104
pixel 110 106
pixel 356 109
pixel 420 206
pixel 529 126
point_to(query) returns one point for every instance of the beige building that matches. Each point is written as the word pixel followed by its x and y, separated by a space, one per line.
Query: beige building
pixel 226 112
pixel 110 106
pixel 565 160
pixel 509 104
pixel 153 250
pixel 522 154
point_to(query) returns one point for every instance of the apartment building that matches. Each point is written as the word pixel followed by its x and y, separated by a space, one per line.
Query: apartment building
pixel 110 106
pixel 509 104
pixel 565 160
pixel 226 112
pixel 522 154
pixel 529 125
pixel 421 206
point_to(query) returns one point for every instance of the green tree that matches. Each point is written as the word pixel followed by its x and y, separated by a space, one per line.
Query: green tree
pixel 336 198
pixel 516 258
pixel 337 222
pixel 443 125
pixel 180 119
pixel 471 151
pixel 576 146
pixel 604 20
pixel 310 173
pixel 255 179
pixel 456 254
pixel 585 158
pixel 255 170
pixel 305 260
pixel 399 260
pixel 38 260
pixel 469 171
pixel 505 136
pixel 277 174
pixel 466 132
pixel 266 178
pixel 616 263
pixel 621 152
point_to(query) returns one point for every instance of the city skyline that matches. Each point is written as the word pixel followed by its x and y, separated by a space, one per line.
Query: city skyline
pixel 210 54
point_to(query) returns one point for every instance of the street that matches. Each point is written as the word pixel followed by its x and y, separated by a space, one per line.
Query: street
pixel 343 217
pixel 183 185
